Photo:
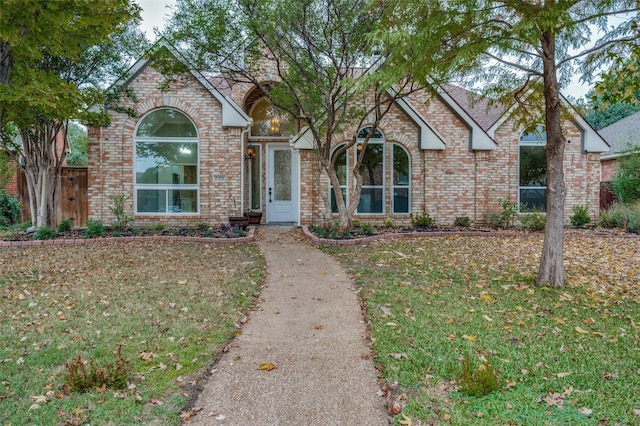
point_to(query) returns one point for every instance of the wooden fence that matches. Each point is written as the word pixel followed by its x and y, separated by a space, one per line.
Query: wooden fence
pixel 72 196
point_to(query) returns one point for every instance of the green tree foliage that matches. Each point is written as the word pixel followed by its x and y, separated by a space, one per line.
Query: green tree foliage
pixel 7 170
pixel 77 145
pixel 626 181
pixel 55 58
pixel 305 55
pixel 522 52
pixel 601 113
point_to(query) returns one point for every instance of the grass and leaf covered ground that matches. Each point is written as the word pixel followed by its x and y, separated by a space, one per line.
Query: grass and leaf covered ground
pixel 562 356
pixel 169 306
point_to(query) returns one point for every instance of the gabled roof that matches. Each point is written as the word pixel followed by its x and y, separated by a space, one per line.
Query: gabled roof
pixel 621 134
pixel 477 106
pixel 232 114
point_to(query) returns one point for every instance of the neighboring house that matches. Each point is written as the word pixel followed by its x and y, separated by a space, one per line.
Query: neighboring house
pixel 621 135
pixel 206 150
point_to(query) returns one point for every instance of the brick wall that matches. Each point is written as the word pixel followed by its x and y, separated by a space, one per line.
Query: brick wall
pixel 446 184
pixel 111 153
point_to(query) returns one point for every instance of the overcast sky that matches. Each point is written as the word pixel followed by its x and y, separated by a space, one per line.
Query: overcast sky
pixel 154 13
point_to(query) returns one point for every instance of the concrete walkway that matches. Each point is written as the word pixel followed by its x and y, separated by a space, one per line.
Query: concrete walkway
pixel 309 325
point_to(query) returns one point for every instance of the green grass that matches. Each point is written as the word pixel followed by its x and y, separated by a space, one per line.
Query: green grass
pixel 171 305
pixel 565 356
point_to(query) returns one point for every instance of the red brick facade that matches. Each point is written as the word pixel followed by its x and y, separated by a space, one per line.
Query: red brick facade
pixel 455 181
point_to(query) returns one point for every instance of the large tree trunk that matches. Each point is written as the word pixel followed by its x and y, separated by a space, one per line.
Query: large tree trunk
pixel 551 269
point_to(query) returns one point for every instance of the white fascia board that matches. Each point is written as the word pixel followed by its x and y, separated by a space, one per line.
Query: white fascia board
pixel 428 138
pixel 232 114
pixel 591 140
pixel 303 140
pixel 480 140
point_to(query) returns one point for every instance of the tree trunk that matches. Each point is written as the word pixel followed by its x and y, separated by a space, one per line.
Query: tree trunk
pixel 551 269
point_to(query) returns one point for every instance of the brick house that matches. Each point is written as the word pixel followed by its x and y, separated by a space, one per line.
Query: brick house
pixel 621 135
pixel 206 150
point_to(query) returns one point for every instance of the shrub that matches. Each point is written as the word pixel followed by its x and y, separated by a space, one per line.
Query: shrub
pixel 367 228
pixel 65 225
pixel 94 229
pixel 622 216
pixel 422 219
pixel 44 233
pixel 122 219
pixel 462 221
pixel 356 223
pixel 82 377
pixel 201 226
pixel 533 221
pixel 9 210
pixel 388 223
pixel 159 227
pixel 580 216
pixel 508 211
pixel 626 182
pixel 478 380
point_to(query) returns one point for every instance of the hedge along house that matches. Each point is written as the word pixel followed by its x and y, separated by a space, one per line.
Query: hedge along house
pixel 208 149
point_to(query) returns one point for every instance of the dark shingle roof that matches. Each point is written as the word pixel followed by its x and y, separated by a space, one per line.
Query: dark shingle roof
pixel 476 105
pixel 621 133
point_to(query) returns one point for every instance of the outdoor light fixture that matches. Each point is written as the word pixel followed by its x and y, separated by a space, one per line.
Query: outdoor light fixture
pixel 251 153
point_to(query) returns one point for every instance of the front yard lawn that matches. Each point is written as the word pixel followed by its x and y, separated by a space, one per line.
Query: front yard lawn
pixel 172 306
pixel 565 356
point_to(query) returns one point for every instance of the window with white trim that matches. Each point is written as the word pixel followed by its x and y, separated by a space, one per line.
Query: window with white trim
pixel 343 176
pixel 401 180
pixel 166 164
pixel 532 194
pixel 372 170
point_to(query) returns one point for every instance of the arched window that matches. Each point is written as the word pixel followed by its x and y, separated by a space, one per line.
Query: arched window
pixel 401 180
pixel 372 170
pixel 271 121
pixel 533 169
pixel 343 176
pixel 166 164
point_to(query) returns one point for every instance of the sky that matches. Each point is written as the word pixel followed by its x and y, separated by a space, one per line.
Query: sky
pixel 154 13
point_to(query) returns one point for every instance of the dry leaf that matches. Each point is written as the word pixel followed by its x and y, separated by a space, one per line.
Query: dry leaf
pixel 584 410
pixel 563 374
pixel 470 338
pixel 406 421
pixel 267 366
pixel 156 401
pixel 581 330
pixel 487 318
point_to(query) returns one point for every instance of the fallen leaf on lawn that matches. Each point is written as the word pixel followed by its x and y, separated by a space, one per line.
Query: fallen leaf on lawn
pixel 451 320
pixel 563 374
pixel 584 410
pixel 446 417
pixel 102 388
pixel 20 361
pixel 34 407
pixel 554 398
pixel 399 356
pixel 451 337
pixel 636 412
pixel 581 330
pixel 156 401
pixel 39 399
pixel 487 318
pixel 470 338
pixel 267 366
pixel 182 282
pixel 406 420
pixel 386 311
pixel 609 376
pixel 511 383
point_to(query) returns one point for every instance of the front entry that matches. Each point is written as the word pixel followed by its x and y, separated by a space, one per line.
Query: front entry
pixel 282 184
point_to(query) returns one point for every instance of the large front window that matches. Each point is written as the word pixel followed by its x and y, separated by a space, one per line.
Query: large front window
pixel 166 164
pixel 373 195
pixel 533 170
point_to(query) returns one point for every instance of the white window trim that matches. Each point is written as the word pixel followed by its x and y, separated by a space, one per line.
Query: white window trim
pixel 407 186
pixel 165 187
pixel 376 141
pixel 538 143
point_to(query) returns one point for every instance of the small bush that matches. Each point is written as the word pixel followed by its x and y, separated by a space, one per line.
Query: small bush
pixel 533 221
pixel 44 233
pixel 201 226
pixel 82 377
pixel 356 223
pixel 94 229
pixel 9 210
pixel 388 223
pixel 580 217
pixel 625 216
pixel 462 221
pixel 65 225
pixel 159 227
pixel 422 219
pixel 478 380
pixel 122 219
pixel 626 182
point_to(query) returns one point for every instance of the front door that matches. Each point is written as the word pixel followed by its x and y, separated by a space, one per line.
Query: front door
pixel 282 184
